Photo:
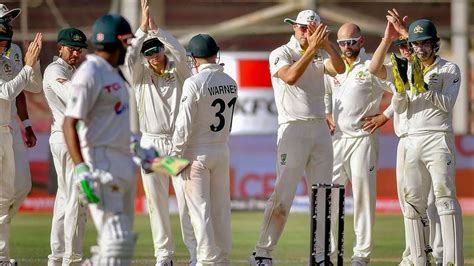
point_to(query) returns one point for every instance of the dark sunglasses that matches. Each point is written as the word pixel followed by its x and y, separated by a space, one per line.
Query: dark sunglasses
pixel 152 51
pixel 348 42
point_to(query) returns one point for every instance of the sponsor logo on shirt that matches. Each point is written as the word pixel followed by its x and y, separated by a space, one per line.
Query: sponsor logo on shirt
pixel 119 107
pixel 361 76
pixel 112 87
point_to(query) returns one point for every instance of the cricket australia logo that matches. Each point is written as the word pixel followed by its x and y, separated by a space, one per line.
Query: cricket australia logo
pixel 418 29
pixel 310 18
pixel 76 38
pixel 283 159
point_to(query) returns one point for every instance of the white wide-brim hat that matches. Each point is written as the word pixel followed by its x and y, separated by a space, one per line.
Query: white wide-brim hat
pixel 5 12
pixel 304 17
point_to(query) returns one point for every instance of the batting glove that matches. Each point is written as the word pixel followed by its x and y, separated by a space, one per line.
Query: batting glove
pixel 142 157
pixel 84 183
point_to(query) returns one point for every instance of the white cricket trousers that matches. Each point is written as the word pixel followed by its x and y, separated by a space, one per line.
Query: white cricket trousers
pixel 207 192
pixel 20 177
pixel 113 216
pixel 303 146
pixel 433 152
pixel 7 189
pixel 157 194
pixel 69 215
pixel 436 240
pixel 355 160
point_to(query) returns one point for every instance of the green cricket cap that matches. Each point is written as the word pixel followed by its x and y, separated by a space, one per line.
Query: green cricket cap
pixel 72 37
pixel 202 45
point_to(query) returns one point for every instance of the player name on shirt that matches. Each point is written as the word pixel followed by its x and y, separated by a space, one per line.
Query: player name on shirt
pixel 221 89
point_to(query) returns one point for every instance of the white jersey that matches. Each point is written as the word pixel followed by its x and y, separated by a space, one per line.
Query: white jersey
pixel 432 110
pixel 355 94
pixel 158 96
pixel 100 99
pixel 12 81
pixel 206 110
pixel 58 90
pixel 305 99
pixel 14 53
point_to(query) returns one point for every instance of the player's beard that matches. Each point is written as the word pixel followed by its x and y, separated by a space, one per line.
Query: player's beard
pixel 424 53
pixel 351 53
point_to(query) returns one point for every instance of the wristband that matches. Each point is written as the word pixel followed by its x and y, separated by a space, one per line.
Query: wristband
pixel 26 123
pixel 81 168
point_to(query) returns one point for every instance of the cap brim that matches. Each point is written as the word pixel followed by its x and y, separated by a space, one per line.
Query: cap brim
pixel 289 21
pixel 12 13
pixel 74 44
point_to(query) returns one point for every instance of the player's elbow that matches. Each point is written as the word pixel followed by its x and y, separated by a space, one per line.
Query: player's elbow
pixel 289 79
pixel 340 68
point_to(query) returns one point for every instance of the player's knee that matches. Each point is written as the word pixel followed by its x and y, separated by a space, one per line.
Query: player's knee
pixel 447 206
pixel 443 189
pixel 410 212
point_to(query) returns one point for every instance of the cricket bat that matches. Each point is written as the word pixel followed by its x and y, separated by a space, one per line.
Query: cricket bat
pixel 167 165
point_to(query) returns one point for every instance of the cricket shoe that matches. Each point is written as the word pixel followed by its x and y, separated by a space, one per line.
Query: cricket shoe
pixel 259 261
pixel 356 261
pixel 164 263
pixel 11 262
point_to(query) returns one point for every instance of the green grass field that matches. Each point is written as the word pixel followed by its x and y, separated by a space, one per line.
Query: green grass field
pixel 30 239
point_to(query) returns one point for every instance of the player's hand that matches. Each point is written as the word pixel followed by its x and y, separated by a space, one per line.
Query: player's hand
pixel 145 15
pixel 331 123
pixel 30 137
pixel 318 38
pixel 85 183
pixel 391 33
pixel 372 123
pixel 142 157
pixel 399 23
pixel 34 49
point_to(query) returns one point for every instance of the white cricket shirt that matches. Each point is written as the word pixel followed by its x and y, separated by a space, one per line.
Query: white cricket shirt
pixel 206 110
pixel 305 99
pixel 100 99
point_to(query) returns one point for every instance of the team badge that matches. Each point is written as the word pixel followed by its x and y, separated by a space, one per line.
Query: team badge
pixel 76 38
pixel 310 18
pixel 7 68
pixel 418 29
pixel 99 37
pixel 283 159
pixel 361 76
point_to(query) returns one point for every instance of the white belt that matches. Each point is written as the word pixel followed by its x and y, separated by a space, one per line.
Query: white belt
pixel 6 128
pixel 158 135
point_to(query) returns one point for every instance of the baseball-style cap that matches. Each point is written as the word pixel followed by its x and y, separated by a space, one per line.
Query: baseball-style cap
pixel 108 28
pixel 72 37
pixel 151 43
pixel 304 17
pixel 422 29
pixel 202 45
pixel 400 41
pixel 6 13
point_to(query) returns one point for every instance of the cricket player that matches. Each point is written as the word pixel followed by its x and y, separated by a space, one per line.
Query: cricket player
pixel 202 131
pixel 69 216
pixel 355 95
pixel 19 110
pixel 400 125
pixel 157 80
pixel 304 141
pixel 12 81
pixel 97 132
pixel 429 146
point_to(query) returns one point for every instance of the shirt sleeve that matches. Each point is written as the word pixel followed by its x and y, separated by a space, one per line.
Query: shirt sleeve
pixel 184 120
pixel 134 67
pixel 446 98
pixel 328 93
pixel 35 84
pixel 10 89
pixel 85 93
pixel 176 50
pixel 278 59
